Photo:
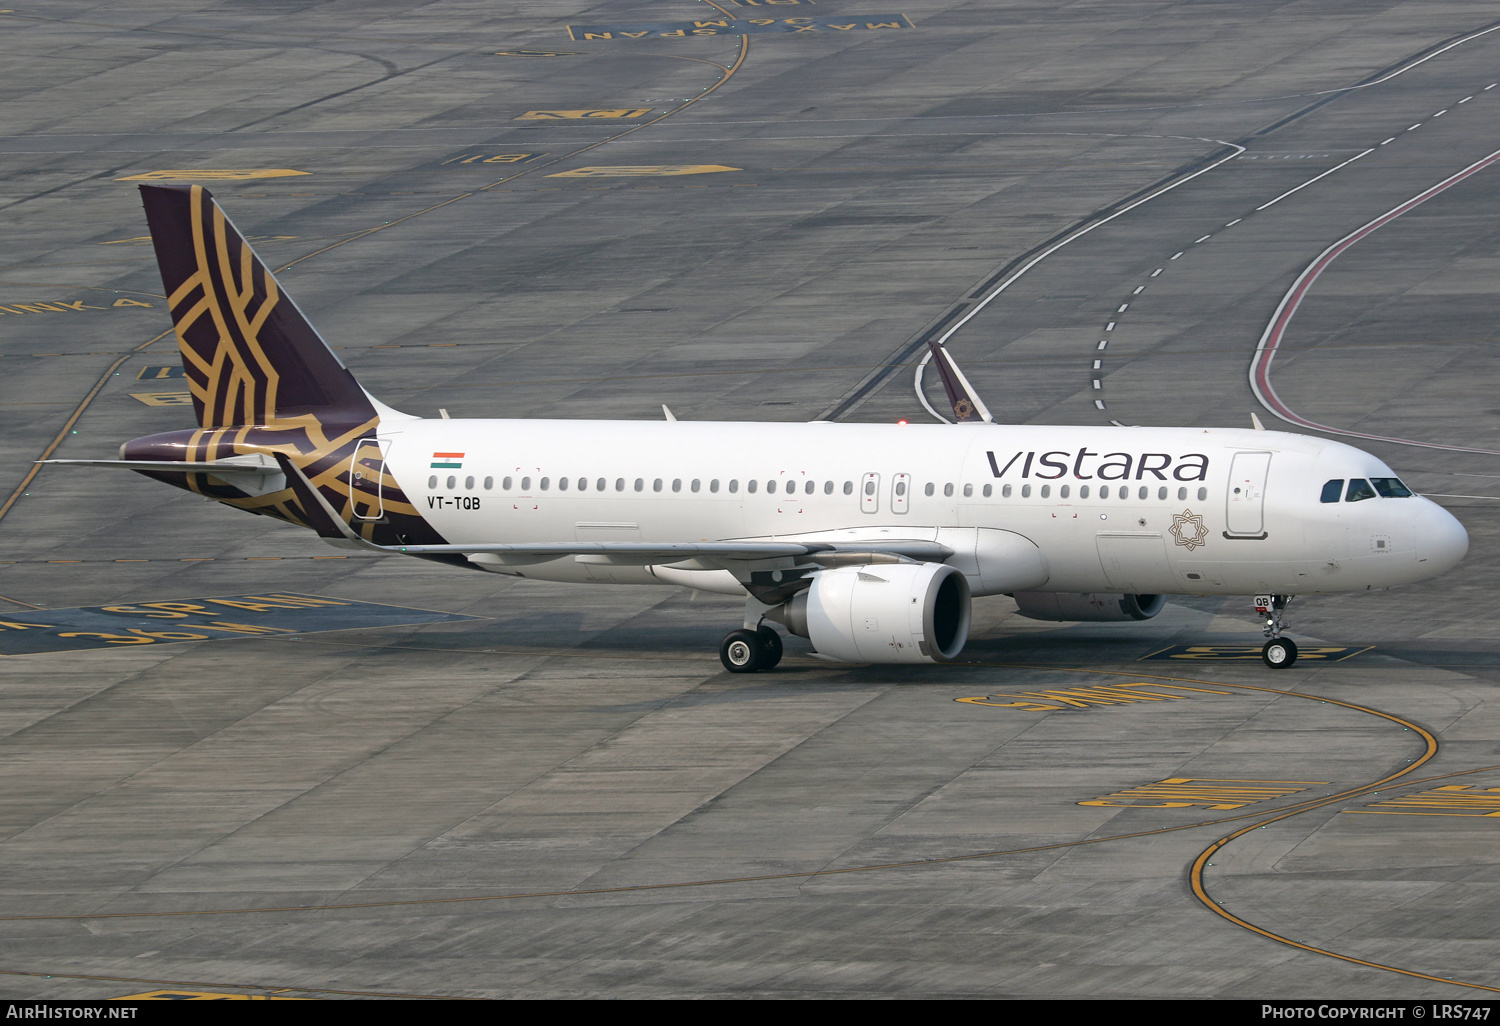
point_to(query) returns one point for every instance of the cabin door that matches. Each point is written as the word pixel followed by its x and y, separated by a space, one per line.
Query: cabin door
pixel 367 480
pixel 1245 503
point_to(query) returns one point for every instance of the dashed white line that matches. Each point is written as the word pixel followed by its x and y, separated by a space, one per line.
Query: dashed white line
pixel 1177 254
pixel 1102 343
pixel 1156 272
pixel 1097 383
pixel 1236 221
pixel 1489 87
pixel 1466 99
pixel 1413 128
pixel 1388 141
pixel 1204 239
pixel 1098 364
pixel 1098 404
pixel 1441 112
pixel 1110 326
pixel 1138 290
pixel 1325 174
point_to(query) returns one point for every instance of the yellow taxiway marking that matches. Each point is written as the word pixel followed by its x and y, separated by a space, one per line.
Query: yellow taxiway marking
pixel 643 171
pixel 538 53
pixel 1083 697
pixel 207 175
pixel 569 115
pixel 1449 800
pixel 163 398
pixel 201 995
pixel 1187 792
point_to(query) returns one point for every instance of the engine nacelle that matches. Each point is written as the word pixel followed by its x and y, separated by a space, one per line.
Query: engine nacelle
pixel 901 613
pixel 1048 605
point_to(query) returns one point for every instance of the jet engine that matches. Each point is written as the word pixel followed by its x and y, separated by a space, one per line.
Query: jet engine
pixel 1048 605
pixel 885 613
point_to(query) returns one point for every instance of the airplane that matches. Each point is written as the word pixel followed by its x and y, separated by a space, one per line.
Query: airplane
pixel 870 540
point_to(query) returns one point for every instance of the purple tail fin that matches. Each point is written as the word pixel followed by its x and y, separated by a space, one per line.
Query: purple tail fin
pixel 251 356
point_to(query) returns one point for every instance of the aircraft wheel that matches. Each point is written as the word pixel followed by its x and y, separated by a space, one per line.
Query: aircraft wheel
pixel 770 643
pixel 1279 653
pixel 741 651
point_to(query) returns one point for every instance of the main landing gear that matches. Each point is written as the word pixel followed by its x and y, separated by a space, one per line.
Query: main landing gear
pixel 1278 652
pixel 747 651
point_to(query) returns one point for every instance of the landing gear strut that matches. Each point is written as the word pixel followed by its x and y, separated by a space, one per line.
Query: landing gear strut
pixel 747 651
pixel 1278 652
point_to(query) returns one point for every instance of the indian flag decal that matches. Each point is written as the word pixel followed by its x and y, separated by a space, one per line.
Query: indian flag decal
pixel 447 461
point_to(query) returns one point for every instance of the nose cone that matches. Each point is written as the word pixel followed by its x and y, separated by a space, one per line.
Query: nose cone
pixel 1441 539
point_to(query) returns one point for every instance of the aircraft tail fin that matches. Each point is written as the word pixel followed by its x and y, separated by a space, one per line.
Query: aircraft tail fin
pixel 966 404
pixel 251 356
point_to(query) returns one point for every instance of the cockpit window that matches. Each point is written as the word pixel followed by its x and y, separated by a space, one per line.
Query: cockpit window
pixel 1391 488
pixel 1333 489
pixel 1359 489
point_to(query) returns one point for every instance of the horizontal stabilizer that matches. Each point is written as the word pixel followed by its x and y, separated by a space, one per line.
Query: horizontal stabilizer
pixel 219 468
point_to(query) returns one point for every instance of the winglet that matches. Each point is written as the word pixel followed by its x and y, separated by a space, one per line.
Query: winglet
pixel 967 406
pixel 668 412
pixel 1256 421
pixel 320 515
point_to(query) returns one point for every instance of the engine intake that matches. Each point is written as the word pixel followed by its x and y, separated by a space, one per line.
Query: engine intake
pixel 902 613
pixel 1049 605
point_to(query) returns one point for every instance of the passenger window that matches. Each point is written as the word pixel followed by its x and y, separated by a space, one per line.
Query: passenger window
pixel 432 481
pixel 827 487
pixel 1332 490
pixel 869 487
pixel 1046 491
pixel 968 490
pixel 1161 493
pixel 848 487
pixel 713 485
pixel 1005 492
pixel 1391 488
pixel 988 490
pixel 1065 491
pixel 600 484
pixel 656 485
pixel 750 485
pixel 928 490
pixel 1181 494
pixel 1083 492
pixel 948 489
pixel 1359 489
pixel 809 488
pixel 545 481
pixel 640 484
pixel 771 487
pixel 525 484
pixel 900 487
pixel 695 484
pixel 583 484
pixel 619 484
pixel 562 484
pixel 505 485
pixel 489 484
pixel 1145 493
pixel 1025 491
pixel 677 484
pixel 734 485
pixel 1202 494
pixel 452 481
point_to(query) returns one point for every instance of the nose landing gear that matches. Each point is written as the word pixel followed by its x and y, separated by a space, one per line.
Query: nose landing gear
pixel 1278 652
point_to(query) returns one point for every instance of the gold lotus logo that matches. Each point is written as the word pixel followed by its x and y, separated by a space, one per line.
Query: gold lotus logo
pixel 1189 530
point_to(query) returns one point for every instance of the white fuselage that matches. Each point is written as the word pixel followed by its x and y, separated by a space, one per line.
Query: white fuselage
pixel 1134 510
